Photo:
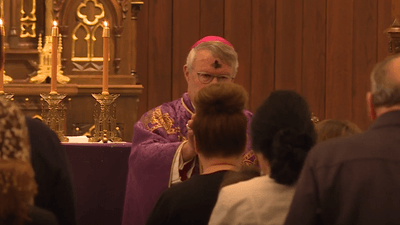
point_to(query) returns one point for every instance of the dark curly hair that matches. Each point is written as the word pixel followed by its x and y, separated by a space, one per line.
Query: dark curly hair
pixel 220 124
pixel 283 132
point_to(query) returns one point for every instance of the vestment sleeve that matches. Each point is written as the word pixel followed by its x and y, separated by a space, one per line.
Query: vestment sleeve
pixel 154 144
pixel 304 208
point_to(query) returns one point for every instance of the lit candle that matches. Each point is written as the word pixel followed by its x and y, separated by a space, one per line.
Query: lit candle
pixel 106 37
pixel 54 47
pixel 2 56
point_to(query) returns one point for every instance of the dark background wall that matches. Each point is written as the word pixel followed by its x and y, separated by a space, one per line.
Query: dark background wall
pixel 324 49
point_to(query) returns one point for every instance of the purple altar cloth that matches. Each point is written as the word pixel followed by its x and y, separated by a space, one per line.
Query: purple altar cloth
pixel 99 177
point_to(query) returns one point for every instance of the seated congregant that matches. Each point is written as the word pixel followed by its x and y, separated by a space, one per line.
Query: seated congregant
pixel 281 134
pixel 17 178
pixel 333 128
pixel 219 129
pixel 52 172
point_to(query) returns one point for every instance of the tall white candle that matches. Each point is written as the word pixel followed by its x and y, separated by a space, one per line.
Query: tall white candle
pixel 2 56
pixel 54 48
pixel 106 37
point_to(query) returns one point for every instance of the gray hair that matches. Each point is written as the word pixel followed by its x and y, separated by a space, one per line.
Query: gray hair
pixel 219 50
pixel 385 91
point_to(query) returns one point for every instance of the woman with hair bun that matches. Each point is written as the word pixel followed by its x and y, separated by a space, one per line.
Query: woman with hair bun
pixel 282 133
pixel 219 129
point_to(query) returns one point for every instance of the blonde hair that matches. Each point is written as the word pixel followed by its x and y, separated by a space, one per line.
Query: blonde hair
pixel 333 128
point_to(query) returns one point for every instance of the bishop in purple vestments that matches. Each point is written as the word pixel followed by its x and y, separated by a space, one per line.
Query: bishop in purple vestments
pixel 161 154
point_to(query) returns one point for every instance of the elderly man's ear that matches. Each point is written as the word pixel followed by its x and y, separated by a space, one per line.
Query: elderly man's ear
pixel 370 106
pixel 186 72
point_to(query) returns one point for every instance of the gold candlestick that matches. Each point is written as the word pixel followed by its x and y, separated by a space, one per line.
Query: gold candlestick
pixel 54 47
pixel 105 118
pixel 2 56
pixel 106 37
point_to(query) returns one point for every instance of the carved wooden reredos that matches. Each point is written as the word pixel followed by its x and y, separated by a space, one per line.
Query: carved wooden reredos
pixel 80 24
pixel 81 29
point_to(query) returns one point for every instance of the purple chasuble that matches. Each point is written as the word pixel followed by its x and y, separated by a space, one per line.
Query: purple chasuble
pixel 156 138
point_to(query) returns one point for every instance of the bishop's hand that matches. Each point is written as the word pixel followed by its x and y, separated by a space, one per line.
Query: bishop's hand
pixel 188 150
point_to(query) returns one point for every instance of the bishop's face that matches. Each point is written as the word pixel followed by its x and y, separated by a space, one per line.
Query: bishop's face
pixel 206 70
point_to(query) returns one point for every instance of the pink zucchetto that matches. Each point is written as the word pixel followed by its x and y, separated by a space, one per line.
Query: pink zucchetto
pixel 212 38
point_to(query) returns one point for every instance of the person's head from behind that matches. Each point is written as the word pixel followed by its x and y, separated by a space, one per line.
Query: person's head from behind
pixel 385 87
pixel 17 183
pixel 282 133
pixel 211 60
pixel 219 125
pixel 332 128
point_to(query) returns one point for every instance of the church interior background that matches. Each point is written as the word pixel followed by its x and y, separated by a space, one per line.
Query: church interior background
pixel 323 49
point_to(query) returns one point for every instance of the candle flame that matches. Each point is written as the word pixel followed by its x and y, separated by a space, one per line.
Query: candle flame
pixel 105 23
pixel 1 22
pixel 54 23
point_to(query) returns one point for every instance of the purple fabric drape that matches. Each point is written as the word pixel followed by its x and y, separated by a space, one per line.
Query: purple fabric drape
pixel 156 138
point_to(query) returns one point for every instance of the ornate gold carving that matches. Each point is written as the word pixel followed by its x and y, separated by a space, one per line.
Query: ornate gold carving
pixel 249 159
pixel 159 120
pixel 90 27
pixel 45 61
pixel 96 17
pixel 26 32
pixel 75 38
pixel 28 21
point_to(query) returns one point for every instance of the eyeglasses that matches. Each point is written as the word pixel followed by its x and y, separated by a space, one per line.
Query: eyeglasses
pixel 206 78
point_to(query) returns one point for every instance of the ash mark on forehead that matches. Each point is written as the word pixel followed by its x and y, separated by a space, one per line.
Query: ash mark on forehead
pixel 216 64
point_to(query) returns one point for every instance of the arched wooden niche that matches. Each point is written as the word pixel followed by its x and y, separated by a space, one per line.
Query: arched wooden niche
pixel 81 28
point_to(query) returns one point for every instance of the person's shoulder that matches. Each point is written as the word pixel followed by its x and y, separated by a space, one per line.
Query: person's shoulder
pixel 38 130
pixel 40 216
pixel 168 107
pixel 338 150
pixel 36 124
pixel 244 188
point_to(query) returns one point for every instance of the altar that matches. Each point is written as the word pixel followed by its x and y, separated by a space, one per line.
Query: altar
pixel 99 177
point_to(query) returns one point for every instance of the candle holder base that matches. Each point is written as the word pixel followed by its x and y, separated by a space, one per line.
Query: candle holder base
pixel 53 113
pixel 7 96
pixel 105 118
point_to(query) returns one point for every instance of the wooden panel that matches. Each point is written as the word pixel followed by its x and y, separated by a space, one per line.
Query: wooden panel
pixel 288 44
pixel 314 52
pixel 339 59
pixel 235 25
pixel 364 56
pixel 160 52
pixel 262 51
pixel 211 17
pixel 385 19
pixel 186 19
pixel 142 55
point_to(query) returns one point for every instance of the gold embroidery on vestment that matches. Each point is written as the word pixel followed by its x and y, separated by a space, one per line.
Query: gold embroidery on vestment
pixel 249 159
pixel 159 120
